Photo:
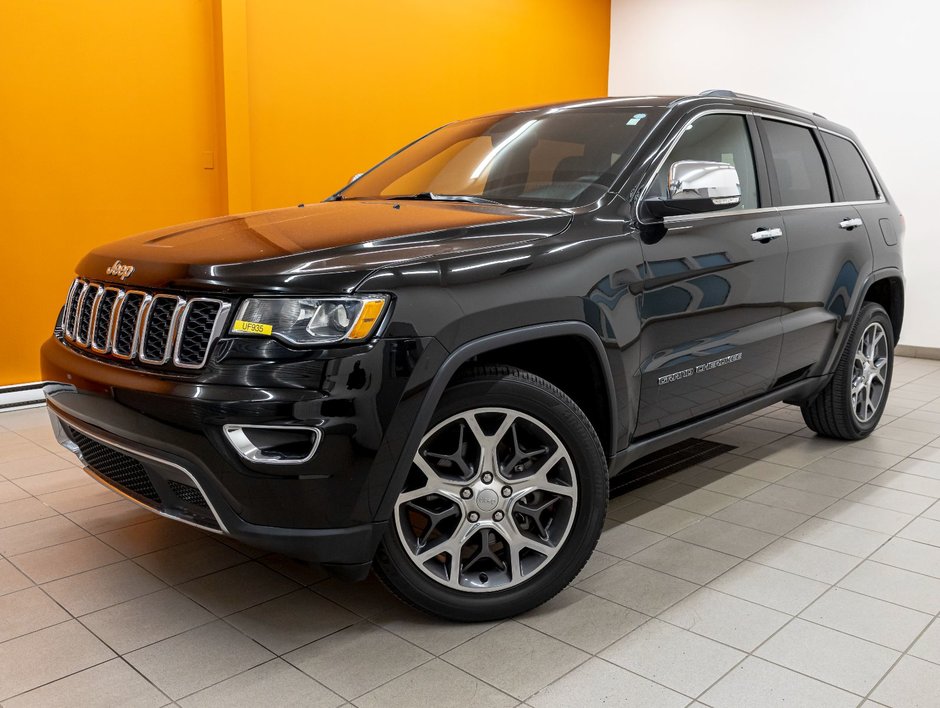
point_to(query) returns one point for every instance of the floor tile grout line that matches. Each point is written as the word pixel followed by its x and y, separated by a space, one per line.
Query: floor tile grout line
pixel 59 678
pixel 898 661
pixel 273 659
pixel 753 654
pixel 588 657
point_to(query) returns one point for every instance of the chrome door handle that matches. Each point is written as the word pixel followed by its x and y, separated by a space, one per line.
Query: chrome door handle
pixel 849 224
pixel 766 234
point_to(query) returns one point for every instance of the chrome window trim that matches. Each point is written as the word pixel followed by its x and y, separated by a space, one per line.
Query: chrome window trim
pixel 74 292
pixel 171 332
pixel 84 343
pixel 137 453
pixel 119 294
pixel 220 319
pixel 730 212
pixel 136 339
pixel 715 214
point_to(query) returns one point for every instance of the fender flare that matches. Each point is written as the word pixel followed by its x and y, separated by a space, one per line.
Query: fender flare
pixel 460 356
pixel 849 321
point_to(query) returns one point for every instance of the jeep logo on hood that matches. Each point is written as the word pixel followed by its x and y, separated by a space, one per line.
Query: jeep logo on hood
pixel 120 270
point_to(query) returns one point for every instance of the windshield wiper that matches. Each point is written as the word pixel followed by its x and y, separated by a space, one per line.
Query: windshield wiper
pixel 433 197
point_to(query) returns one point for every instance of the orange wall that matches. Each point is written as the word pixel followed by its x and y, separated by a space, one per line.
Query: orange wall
pixel 112 110
pixel 334 88
pixel 107 109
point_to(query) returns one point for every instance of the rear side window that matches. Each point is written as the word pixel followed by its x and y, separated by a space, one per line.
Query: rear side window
pixel 857 183
pixel 801 172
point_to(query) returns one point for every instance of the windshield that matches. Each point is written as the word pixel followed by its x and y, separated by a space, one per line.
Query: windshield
pixel 560 157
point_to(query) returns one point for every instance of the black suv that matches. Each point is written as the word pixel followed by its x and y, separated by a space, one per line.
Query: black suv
pixel 436 371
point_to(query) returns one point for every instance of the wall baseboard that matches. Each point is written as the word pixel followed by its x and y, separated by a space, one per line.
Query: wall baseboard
pixel 21 396
pixel 917 352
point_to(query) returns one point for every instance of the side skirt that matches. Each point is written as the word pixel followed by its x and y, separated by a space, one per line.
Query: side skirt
pixel 799 390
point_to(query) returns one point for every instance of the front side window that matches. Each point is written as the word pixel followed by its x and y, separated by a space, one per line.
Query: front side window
pixel 715 138
pixel 856 180
pixel 560 157
pixel 798 164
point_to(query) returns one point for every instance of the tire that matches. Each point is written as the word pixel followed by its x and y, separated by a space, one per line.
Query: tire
pixel 501 551
pixel 837 412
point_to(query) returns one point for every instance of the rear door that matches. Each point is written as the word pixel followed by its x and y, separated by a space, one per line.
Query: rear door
pixel 712 288
pixel 828 244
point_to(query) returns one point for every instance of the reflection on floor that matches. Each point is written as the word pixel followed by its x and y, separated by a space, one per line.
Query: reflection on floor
pixel 792 570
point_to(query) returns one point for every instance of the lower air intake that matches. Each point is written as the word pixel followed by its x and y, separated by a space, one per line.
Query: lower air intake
pixel 123 470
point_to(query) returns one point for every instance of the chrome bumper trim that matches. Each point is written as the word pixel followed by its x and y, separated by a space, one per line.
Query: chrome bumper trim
pixel 63 439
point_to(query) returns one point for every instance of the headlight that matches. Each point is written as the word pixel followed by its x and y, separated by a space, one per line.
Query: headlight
pixel 313 320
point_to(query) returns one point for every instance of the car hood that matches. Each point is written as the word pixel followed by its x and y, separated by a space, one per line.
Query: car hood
pixel 322 247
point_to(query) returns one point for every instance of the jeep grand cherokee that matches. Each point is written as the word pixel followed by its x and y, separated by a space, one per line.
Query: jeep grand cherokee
pixel 436 371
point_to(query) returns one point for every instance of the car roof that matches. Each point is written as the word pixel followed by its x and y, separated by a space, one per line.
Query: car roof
pixel 669 101
pixel 666 101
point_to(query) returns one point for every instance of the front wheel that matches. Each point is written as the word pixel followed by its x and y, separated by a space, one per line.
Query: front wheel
pixel 504 501
pixel 851 405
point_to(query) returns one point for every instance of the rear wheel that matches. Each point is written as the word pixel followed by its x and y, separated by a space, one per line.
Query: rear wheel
pixel 504 501
pixel 851 405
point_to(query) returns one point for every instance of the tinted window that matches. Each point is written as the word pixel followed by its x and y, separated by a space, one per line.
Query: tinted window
pixel 801 172
pixel 716 138
pixel 856 181
pixel 558 157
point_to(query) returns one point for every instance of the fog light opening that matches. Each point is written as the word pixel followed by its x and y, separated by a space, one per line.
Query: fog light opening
pixel 274 444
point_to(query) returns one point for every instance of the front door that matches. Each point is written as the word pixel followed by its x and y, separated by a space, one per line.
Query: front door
pixel 712 290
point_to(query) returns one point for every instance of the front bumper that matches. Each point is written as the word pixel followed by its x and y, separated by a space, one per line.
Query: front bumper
pixel 158 440
pixel 170 488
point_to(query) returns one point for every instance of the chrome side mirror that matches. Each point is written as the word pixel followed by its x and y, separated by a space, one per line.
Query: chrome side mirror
pixel 697 186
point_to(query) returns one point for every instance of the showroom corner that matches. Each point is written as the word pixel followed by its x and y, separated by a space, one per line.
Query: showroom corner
pixel 124 117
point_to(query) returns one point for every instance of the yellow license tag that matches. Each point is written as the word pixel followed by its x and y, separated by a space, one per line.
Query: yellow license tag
pixel 251 327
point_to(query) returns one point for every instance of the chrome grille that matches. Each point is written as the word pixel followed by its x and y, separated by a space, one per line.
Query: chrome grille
pixel 124 344
pixel 153 328
pixel 158 324
pixel 199 320
pixel 85 307
pixel 71 307
pixel 101 333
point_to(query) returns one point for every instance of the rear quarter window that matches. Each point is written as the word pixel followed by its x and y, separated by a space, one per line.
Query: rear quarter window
pixel 857 182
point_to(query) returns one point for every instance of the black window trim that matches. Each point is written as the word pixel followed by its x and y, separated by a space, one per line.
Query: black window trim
pixel 762 166
pixel 871 173
pixel 835 189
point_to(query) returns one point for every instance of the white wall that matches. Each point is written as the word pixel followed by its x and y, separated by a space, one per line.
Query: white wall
pixel 872 66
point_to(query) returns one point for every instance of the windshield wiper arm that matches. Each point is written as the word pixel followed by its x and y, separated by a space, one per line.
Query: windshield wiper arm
pixel 433 197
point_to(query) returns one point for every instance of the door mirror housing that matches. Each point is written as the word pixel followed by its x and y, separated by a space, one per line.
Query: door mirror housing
pixel 697 186
pixel 354 178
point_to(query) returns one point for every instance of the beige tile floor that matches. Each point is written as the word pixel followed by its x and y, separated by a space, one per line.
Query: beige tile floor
pixel 795 570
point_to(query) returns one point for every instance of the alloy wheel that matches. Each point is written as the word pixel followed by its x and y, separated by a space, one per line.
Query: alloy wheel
pixel 868 372
pixel 489 501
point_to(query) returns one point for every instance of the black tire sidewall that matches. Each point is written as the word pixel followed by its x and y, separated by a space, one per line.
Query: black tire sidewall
pixel 542 401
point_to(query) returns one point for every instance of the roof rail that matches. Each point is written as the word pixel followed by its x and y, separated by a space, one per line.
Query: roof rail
pixel 721 93
pixel 726 93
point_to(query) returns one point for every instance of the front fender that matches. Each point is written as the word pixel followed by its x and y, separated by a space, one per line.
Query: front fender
pixel 416 419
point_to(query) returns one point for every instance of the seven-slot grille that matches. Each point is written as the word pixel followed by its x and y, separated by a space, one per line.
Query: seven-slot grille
pixel 154 328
